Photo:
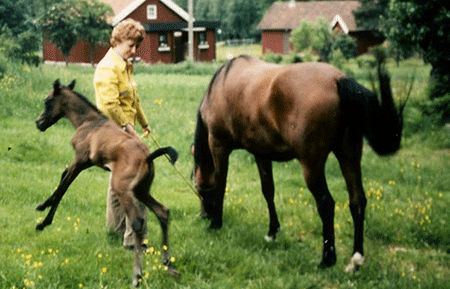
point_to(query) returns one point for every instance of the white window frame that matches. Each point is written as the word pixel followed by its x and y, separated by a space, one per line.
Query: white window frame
pixel 151 12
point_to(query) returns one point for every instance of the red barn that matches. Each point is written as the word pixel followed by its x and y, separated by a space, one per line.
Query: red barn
pixel 283 17
pixel 166 41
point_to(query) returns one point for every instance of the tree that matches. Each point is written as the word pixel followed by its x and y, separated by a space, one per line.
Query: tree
pixel 302 37
pixel 425 27
pixel 68 21
pixel 369 14
pixel 316 36
pixel 20 33
pixel 93 27
pixel 59 24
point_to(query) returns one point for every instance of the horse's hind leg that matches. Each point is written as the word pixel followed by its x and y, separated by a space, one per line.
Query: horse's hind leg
pixel 315 180
pixel 268 189
pixel 350 162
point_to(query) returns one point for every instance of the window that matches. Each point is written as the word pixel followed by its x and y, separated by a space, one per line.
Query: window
pixel 151 12
pixel 202 42
pixel 163 42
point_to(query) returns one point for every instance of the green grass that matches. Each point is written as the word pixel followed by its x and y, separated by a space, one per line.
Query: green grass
pixel 407 236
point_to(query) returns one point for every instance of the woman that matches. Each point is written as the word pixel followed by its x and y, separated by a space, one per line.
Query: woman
pixel 116 97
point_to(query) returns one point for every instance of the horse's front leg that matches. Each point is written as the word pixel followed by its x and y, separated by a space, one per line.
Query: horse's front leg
pixel 268 189
pixel 66 179
pixel 221 158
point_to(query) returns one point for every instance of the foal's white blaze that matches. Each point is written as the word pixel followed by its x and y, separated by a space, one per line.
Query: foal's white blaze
pixel 356 262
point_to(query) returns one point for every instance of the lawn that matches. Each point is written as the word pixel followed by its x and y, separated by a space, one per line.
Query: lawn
pixel 407 233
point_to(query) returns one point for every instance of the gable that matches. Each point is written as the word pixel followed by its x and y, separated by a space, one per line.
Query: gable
pixel 165 8
pixel 288 15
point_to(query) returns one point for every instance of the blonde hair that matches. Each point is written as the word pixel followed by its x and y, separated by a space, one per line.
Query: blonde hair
pixel 127 29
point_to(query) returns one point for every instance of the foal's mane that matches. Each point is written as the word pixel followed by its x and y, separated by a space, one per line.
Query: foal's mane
pixel 84 99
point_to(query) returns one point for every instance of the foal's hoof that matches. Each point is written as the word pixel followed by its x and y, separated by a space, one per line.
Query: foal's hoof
pixel 173 272
pixel 40 227
pixel 137 280
pixel 41 207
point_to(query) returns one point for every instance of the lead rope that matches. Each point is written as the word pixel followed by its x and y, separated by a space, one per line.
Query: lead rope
pixel 147 134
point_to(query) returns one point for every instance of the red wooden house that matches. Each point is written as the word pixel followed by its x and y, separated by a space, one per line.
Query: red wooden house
pixel 166 41
pixel 283 17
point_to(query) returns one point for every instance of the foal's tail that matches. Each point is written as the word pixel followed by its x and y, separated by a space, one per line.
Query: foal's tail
pixel 170 151
pixel 381 123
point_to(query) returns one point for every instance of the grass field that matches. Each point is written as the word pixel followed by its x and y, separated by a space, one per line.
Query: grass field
pixel 407 232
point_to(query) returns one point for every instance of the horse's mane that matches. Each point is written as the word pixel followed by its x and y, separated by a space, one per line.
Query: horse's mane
pixel 202 153
pixel 225 67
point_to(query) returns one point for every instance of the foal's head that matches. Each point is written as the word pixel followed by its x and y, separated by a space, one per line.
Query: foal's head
pixel 54 106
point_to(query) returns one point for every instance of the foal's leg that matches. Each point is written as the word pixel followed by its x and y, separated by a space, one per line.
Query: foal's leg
pixel 268 189
pixel 162 213
pixel 67 178
pixel 349 158
pixel 129 205
pixel 315 180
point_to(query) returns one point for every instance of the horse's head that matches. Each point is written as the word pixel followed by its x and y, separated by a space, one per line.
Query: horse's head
pixel 204 180
pixel 54 106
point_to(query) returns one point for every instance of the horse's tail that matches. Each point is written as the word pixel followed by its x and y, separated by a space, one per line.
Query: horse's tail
pixel 170 151
pixel 381 123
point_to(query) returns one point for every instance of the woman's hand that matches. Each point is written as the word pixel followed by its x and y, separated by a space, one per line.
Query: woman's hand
pixel 146 129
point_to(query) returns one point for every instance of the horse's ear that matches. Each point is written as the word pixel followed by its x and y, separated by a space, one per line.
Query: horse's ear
pixel 57 86
pixel 72 84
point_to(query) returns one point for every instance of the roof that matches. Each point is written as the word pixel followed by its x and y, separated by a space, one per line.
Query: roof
pixel 288 15
pixel 123 8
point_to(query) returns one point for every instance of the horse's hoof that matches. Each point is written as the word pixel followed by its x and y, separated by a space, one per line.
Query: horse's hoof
pixel 329 259
pixel 356 262
pixel 214 226
pixel 269 239
pixel 272 235
pixel 40 227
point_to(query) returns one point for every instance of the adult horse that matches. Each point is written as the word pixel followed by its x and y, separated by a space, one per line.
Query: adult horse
pixel 101 142
pixel 301 111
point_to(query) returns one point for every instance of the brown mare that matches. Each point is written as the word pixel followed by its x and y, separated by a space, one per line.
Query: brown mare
pixel 304 112
pixel 101 142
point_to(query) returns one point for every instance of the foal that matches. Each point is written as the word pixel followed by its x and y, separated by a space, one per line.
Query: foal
pixel 101 142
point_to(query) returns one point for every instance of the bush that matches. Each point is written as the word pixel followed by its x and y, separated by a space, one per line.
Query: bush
pixel 366 61
pixel 337 58
pixel 272 57
pixel 291 58
pixel 439 108
pixel 3 65
pixel 346 44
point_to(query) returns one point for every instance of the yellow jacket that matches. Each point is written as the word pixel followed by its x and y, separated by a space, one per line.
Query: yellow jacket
pixel 115 91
